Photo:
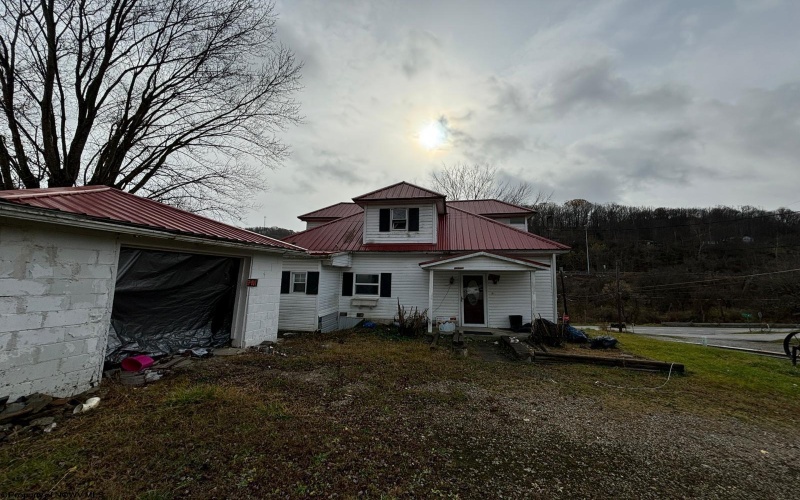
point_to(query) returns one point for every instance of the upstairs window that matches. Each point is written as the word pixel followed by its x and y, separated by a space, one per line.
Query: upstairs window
pixel 517 220
pixel 399 219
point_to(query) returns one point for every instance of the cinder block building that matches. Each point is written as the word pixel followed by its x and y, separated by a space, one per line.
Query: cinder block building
pixel 89 274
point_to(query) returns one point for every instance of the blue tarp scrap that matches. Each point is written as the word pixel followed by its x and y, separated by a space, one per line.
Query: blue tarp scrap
pixel 575 335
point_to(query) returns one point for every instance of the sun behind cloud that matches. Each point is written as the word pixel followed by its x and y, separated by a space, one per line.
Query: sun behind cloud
pixel 434 135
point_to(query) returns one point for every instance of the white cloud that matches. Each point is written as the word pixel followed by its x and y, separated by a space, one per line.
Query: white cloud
pixel 651 103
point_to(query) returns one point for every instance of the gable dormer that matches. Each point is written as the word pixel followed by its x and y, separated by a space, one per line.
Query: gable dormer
pixel 328 214
pixel 401 213
pixel 513 215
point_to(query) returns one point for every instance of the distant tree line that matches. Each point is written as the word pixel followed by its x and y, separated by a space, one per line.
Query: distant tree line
pixel 716 264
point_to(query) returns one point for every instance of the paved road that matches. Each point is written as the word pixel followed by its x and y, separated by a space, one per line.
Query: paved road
pixel 730 337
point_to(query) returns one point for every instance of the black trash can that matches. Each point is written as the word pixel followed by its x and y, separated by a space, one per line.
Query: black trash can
pixel 516 322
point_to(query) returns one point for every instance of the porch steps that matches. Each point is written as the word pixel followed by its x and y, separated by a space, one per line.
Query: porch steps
pixel 518 349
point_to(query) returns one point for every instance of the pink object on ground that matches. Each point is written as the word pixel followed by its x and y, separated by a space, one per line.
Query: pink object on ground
pixel 137 363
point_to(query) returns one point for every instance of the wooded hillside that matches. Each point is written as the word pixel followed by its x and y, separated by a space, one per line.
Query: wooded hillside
pixel 676 264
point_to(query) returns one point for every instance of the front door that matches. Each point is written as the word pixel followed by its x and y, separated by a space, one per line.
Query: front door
pixel 473 299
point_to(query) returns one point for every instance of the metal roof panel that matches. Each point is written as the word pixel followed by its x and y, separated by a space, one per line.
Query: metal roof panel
pixel 458 230
pixel 111 204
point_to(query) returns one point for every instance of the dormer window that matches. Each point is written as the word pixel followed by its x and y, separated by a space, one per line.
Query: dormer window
pixel 399 219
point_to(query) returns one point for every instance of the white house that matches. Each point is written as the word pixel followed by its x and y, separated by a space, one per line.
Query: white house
pixel 75 260
pixel 472 262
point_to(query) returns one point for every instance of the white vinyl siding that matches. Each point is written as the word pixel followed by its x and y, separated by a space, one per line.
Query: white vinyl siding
pixel 446 297
pixel 426 233
pixel 510 296
pixel 298 311
pixel 341 260
pixel 329 289
pixel 545 295
pixel 409 283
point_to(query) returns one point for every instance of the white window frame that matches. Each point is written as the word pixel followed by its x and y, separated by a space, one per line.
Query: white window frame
pixel 295 282
pixel 404 219
pixel 356 285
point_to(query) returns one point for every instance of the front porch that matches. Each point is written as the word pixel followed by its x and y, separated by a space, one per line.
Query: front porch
pixel 488 291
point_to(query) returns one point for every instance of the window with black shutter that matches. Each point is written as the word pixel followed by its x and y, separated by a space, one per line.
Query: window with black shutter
pixel 347 284
pixel 312 283
pixel 286 277
pixel 384 222
pixel 413 219
pixel 386 284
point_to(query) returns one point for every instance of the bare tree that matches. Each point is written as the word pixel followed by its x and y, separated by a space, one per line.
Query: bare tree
pixel 463 181
pixel 177 100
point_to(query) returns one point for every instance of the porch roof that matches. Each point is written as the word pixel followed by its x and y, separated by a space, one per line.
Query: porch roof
pixel 483 261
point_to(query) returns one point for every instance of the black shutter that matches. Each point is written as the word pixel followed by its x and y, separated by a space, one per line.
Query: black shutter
pixel 347 284
pixel 312 283
pixel 413 219
pixel 386 284
pixel 286 276
pixel 384 220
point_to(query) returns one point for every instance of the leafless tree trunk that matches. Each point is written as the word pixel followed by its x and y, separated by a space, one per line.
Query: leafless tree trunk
pixel 177 100
pixel 481 181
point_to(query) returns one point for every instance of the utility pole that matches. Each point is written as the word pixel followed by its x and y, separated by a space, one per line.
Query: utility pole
pixel 619 302
pixel 586 229
pixel 776 246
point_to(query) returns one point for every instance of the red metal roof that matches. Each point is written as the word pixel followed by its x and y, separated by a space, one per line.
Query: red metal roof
pixel 491 207
pixel 337 211
pixel 399 191
pixel 458 231
pixel 481 207
pixel 112 205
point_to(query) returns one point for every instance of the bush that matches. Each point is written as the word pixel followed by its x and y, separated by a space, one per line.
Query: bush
pixel 411 322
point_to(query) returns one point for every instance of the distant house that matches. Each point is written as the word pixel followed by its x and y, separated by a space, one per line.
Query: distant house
pixel 471 262
pixel 75 261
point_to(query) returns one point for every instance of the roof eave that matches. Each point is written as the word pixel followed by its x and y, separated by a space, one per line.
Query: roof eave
pixel 36 214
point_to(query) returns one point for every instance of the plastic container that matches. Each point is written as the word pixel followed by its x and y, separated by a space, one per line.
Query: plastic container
pixel 516 322
pixel 137 363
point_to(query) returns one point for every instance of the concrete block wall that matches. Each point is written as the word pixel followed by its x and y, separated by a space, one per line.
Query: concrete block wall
pixel 263 301
pixel 56 293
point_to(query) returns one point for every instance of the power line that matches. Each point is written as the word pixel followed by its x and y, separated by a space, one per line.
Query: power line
pixel 719 279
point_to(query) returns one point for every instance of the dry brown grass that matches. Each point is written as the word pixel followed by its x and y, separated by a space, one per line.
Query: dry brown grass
pixel 357 414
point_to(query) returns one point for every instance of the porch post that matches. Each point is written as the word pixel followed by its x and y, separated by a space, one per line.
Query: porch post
pixel 430 301
pixel 532 283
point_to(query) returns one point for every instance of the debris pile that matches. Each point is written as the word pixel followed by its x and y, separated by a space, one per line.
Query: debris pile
pixel 41 413
pixel 268 347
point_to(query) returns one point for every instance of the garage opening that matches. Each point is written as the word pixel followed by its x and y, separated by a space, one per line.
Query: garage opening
pixel 166 301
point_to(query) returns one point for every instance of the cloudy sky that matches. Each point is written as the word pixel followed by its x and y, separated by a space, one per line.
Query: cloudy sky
pixel 680 103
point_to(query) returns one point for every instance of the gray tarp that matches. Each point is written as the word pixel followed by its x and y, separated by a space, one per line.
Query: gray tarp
pixel 165 301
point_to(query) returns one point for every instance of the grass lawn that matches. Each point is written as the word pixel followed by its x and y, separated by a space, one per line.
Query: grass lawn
pixel 358 414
